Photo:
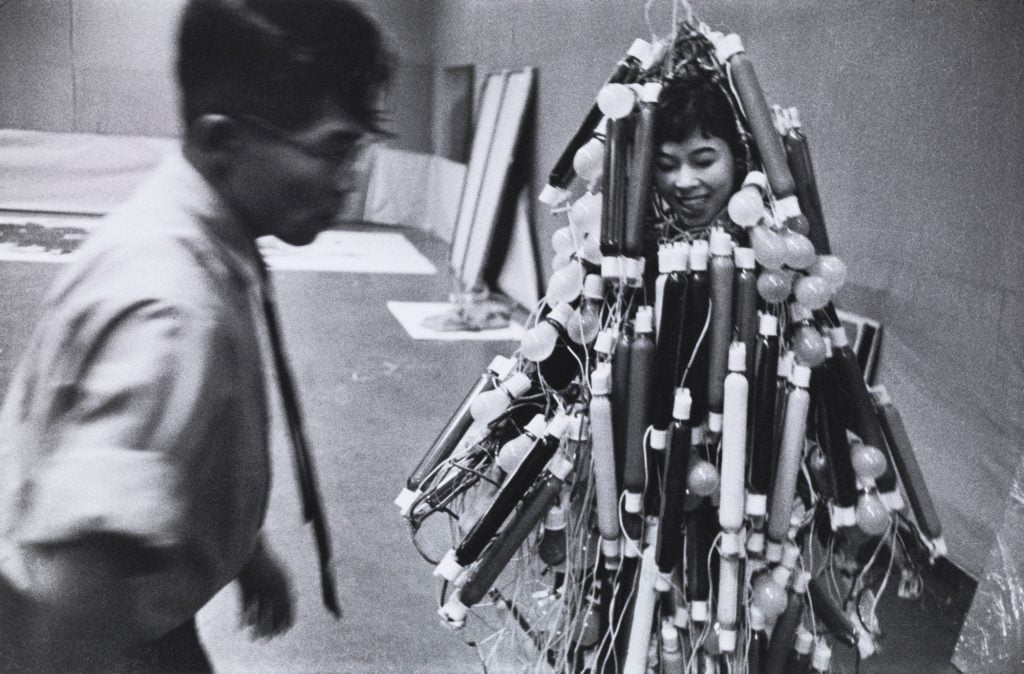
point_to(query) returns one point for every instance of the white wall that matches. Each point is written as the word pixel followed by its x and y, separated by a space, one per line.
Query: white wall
pixel 107 66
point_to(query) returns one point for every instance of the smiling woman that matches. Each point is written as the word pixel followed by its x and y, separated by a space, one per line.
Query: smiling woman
pixel 698 161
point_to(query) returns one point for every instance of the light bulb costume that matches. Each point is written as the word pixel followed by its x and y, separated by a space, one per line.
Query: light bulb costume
pixel 714 452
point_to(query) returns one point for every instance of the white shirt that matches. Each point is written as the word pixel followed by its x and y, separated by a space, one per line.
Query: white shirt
pixel 139 407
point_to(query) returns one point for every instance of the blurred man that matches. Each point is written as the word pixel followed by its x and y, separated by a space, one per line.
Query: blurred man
pixel 134 445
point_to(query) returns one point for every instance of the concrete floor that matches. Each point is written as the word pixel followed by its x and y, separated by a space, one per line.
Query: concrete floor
pixel 374 400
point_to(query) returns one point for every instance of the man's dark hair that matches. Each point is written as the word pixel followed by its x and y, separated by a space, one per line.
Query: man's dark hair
pixel 279 59
pixel 697 104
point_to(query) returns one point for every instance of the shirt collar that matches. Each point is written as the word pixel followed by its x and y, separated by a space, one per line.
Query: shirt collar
pixel 196 197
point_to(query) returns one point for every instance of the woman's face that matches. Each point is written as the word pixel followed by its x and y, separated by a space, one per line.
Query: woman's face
pixel 695 176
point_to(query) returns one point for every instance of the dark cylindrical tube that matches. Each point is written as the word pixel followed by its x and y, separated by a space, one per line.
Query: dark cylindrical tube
pixel 863 419
pixel 677 467
pixel 784 632
pixel 613 195
pixel 762 126
pixel 620 397
pixel 642 165
pixel 625 72
pixel 693 345
pixel 721 270
pixel 762 426
pixel 641 371
pixel 744 302
pixel 906 464
pixel 448 439
pixel 667 352
pixel 798 155
pixel 535 506
pixel 832 434
pixel 505 501
pixel 831 614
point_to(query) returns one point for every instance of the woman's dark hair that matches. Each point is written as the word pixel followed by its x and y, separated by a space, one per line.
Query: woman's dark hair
pixel 697 104
pixel 279 59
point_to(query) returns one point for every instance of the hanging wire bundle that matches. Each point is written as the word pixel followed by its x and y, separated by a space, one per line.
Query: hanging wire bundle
pixel 682 466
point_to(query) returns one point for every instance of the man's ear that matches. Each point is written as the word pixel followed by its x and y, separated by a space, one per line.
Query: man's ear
pixel 211 143
pixel 213 133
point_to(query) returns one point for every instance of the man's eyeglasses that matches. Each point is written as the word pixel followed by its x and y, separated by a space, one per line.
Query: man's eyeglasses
pixel 339 150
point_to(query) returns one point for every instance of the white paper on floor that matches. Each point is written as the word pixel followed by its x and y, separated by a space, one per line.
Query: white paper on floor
pixel 412 314
pixel 356 252
pixel 336 251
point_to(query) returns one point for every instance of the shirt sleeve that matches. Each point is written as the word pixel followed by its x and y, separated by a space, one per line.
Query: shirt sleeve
pixel 127 426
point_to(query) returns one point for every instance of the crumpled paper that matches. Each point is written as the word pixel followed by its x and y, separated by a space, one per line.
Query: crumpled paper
pixel 992 637
pixel 473 316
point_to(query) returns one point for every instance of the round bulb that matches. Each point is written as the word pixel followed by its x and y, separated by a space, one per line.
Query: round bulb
pixel 799 223
pixel 746 206
pixel 513 451
pixel 538 342
pixel 818 464
pixel 585 215
pixel 587 630
pixel 868 461
pixel 565 283
pixel 489 405
pixel 591 251
pixel 872 517
pixel 774 286
pixel 769 247
pixel 809 346
pixel 702 479
pixel 563 240
pixel 559 260
pixel 799 251
pixel 830 268
pixel 583 325
pixel 588 162
pixel 616 100
pixel 812 292
pixel 551 549
pixel 769 597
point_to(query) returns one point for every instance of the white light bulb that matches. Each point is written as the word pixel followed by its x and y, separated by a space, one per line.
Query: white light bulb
pixel 868 461
pixel 588 162
pixel 563 241
pixel 539 342
pixel 513 451
pixel 584 324
pixel 769 597
pixel 616 100
pixel 830 268
pixel 489 405
pixel 702 479
pixel 565 284
pixel 769 247
pixel 559 260
pixel 590 250
pixel 809 346
pixel 774 285
pixel 585 215
pixel 746 206
pixel 872 516
pixel 799 251
pixel 813 292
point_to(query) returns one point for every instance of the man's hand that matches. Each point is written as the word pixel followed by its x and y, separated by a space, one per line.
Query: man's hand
pixel 267 604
